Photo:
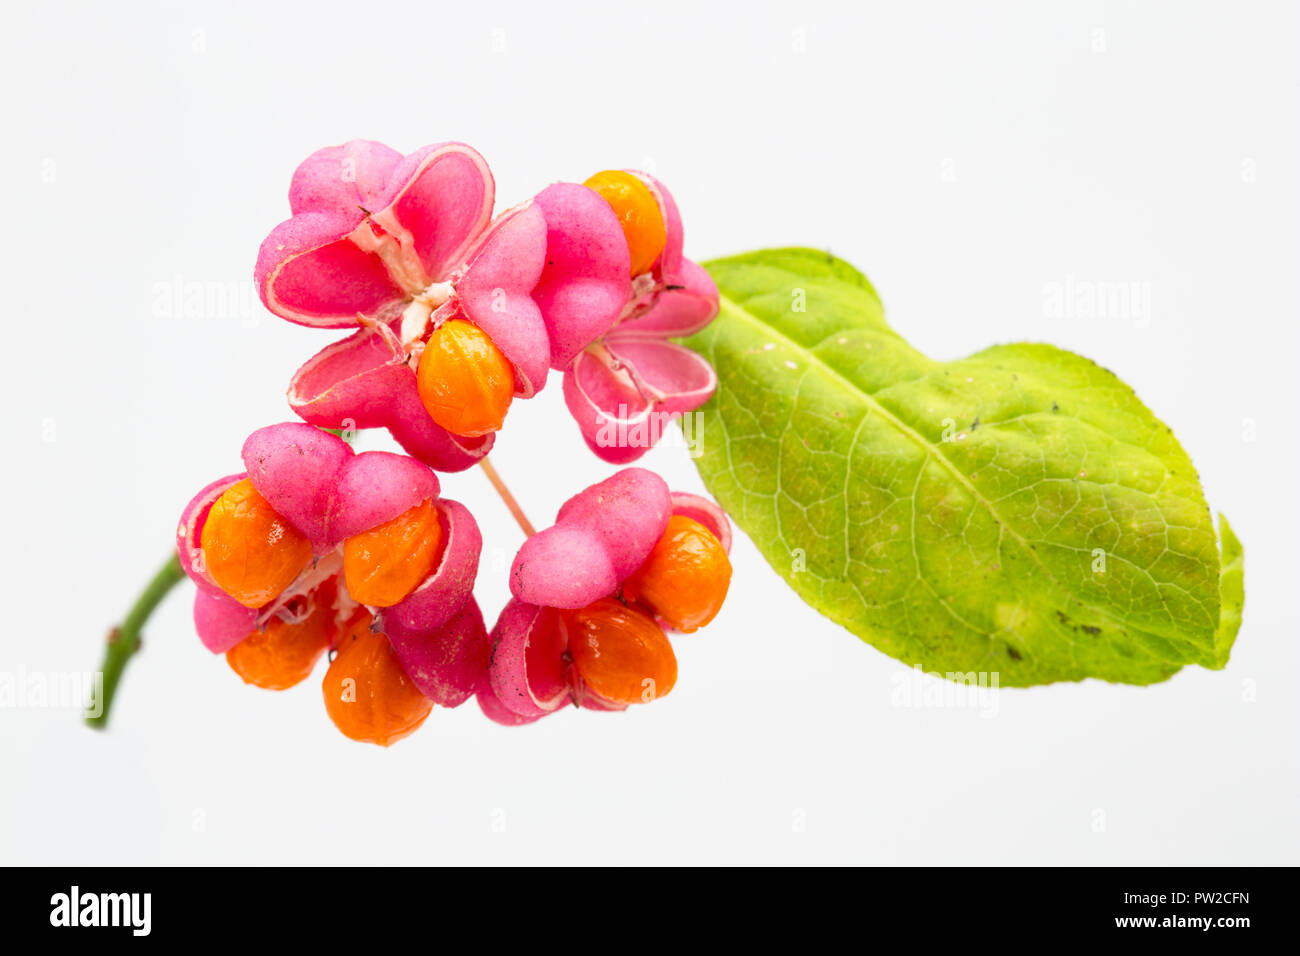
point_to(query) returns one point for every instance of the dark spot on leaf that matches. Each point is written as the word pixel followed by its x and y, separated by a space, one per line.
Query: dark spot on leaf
pixel 1089 629
pixel 1013 653
pixel 1055 408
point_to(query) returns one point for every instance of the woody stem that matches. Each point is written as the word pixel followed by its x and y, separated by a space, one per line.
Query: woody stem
pixel 508 498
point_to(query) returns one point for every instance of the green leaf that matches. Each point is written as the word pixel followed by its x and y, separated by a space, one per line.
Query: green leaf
pixel 1019 511
pixel 1232 591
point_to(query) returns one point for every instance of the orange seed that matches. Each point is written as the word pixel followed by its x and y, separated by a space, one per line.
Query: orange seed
pixel 385 564
pixel 638 213
pixel 251 552
pixel 285 654
pixel 465 382
pixel 367 693
pixel 620 652
pixel 685 579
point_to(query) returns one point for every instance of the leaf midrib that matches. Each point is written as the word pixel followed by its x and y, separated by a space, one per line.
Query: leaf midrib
pixel 933 452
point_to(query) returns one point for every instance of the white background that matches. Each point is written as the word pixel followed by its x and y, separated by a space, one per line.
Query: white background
pixel 967 161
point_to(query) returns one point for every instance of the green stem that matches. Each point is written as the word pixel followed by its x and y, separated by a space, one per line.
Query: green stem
pixel 124 641
pixel 347 434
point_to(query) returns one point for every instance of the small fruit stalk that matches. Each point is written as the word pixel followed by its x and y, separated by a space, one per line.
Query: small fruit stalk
pixel 594 595
pixel 318 549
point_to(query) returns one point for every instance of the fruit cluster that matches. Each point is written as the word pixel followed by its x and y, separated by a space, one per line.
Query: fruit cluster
pixel 456 314
pixel 316 549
